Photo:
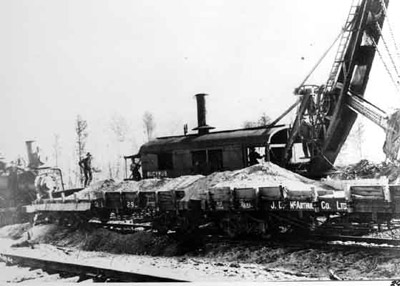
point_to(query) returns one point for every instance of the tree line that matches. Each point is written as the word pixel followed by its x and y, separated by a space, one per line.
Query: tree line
pixel 120 130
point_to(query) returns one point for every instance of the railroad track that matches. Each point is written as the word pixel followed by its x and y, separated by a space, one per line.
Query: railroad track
pixel 361 242
pixel 310 242
pixel 121 227
pixel 85 272
pixel 317 240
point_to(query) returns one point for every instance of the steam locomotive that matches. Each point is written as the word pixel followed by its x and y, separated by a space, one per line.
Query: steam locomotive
pixel 20 185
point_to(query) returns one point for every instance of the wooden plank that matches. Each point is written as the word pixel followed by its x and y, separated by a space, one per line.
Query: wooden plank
pixel 67 207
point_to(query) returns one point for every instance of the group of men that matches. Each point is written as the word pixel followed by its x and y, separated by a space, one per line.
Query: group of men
pixel 86 167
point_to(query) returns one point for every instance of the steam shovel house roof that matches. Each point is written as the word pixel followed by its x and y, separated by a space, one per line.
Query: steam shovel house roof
pixel 258 136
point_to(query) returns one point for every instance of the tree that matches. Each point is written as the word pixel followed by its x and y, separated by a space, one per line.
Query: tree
pixel 352 149
pixel 263 120
pixel 120 128
pixel 56 148
pixel 149 124
pixel 81 127
pixel 357 137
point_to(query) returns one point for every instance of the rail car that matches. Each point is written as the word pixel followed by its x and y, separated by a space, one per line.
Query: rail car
pixel 356 207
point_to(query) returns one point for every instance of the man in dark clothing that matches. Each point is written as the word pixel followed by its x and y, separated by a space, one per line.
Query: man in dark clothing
pixel 86 165
pixel 2 166
pixel 253 157
pixel 135 174
pixel 305 134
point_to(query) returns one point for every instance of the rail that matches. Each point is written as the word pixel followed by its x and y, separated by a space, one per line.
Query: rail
pixel 87 271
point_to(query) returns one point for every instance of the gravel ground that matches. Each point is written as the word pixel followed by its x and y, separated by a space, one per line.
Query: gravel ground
pixel 15 274
pixel 199 262
pixel 185 268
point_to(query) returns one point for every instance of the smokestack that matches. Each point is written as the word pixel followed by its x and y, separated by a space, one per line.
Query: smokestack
pixel 201 114
pixel 31 159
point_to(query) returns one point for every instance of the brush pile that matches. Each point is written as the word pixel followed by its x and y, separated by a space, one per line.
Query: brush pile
pixel 369 170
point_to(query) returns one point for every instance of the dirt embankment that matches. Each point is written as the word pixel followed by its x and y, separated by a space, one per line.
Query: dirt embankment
pixel 307 263
pixel 348 264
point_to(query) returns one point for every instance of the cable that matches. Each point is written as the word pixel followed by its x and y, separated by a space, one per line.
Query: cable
pixel 390 29
pixel 320 60
pixel 386 67
pixel 387 49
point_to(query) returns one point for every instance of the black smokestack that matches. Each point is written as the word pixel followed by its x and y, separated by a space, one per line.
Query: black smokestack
pixel 201 109
pixel 201 114
pixel 30 152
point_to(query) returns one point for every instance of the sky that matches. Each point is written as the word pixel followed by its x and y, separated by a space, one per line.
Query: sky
pixel 102 59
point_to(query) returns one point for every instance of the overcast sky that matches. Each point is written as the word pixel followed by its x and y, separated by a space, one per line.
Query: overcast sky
pixel 99 58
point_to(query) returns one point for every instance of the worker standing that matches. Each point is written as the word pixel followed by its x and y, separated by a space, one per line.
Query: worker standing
pixel 306 134
pixel 3 164
pixel 86 165
pixel 135 174
pixel 254 156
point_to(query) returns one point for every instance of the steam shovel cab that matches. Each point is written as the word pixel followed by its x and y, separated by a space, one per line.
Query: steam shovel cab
pixel 211 152
pixel 207 152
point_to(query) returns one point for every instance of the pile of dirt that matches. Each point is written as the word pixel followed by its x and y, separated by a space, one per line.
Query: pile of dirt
pixel 369 170
pixel 265 174
pixel 95 190
pixel 14 231
pixel 198 190
pixel 268 174
pixel 159 185
pixel 98 239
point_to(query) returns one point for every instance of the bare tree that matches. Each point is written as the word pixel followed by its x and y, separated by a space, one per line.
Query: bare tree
pixel 357 137
pixel 249 124
pixel 352 149
pixel 119 127
pixel 149 124
pixel 264 120
pixel 56 148
pixel 81 127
